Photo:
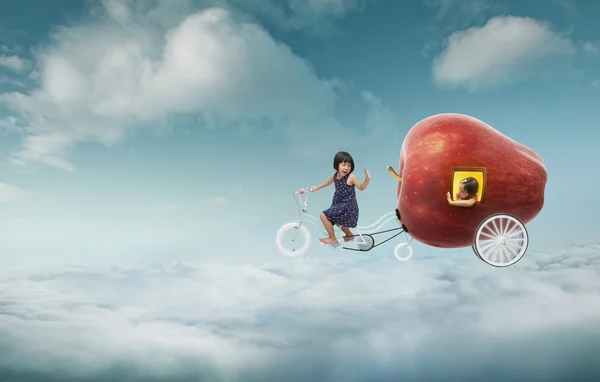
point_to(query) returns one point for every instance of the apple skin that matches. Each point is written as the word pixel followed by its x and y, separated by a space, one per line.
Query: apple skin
pixel 516 179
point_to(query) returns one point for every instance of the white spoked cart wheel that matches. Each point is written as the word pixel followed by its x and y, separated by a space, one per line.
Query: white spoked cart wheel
pixel 293 239
pixel 501 240
pixel 403 251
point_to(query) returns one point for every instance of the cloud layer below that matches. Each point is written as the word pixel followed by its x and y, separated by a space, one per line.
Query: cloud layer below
pixel 342 319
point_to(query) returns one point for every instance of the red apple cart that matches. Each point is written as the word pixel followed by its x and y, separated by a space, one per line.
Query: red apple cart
pixel 500 240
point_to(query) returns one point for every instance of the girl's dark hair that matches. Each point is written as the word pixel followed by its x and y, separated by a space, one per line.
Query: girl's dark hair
pixel 471 185
pixel 342 157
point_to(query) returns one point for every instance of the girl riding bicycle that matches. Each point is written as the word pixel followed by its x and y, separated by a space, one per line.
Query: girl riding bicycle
pixel 344 206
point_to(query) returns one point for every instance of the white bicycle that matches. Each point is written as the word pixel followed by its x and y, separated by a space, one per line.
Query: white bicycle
pixel 293 239
pixel 501 240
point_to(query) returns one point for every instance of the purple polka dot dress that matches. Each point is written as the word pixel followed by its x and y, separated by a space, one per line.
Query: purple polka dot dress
pixel 344 207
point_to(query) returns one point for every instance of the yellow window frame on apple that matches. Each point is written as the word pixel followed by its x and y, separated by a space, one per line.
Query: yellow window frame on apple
pixel 460 173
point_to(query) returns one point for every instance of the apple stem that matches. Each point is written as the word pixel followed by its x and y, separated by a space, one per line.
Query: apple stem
pixel 394 173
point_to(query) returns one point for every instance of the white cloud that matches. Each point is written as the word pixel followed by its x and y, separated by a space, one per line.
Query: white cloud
pixel 346 318
pixel 101 79
pixel 14 63
pixel 13 194
pixel 505 49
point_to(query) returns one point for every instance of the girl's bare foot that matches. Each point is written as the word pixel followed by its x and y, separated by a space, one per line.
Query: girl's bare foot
pixel 328 240
pixel 348 238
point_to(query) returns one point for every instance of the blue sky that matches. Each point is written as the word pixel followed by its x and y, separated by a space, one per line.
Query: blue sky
pixel 139 129
pixel 153 132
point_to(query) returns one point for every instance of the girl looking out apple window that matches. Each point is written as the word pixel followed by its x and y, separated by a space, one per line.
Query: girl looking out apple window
pixel 467 193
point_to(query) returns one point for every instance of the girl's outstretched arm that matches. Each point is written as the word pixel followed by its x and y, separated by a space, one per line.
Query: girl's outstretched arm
pixel 324 184
pixel 358 184
pixel 460 203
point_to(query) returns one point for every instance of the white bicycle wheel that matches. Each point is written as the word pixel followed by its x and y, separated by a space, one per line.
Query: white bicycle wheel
pixel 293 239
pixel 501 240
pixel 403 251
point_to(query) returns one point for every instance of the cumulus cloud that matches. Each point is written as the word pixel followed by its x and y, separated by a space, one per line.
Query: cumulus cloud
pixel 132 65
pixel 347 318
pixel 505 49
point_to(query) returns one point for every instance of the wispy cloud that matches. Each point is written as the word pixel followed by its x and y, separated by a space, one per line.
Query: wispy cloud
pixel 468 10
pixel 217 199
pixel 504 50
pixel 380 119
pixel 167 207
pixel 10 124
pixel 13 194
pixel 14 63
pixel 237 189
pixel 346 318
pixel 591 47
pixel 315 17
pixel 11 81
pixel 568 6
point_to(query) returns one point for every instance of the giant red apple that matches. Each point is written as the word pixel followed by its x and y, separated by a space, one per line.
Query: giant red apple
pixel 516 178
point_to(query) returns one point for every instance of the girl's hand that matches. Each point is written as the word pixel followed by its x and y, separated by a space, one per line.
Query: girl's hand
pixel 367 174
pixel 448 198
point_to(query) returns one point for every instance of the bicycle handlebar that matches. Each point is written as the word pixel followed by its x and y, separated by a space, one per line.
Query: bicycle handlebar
pixel 299 198
pixel 304 190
